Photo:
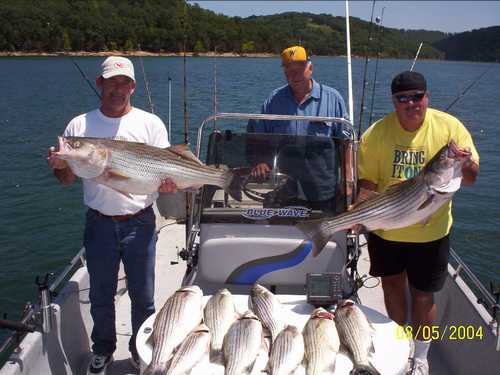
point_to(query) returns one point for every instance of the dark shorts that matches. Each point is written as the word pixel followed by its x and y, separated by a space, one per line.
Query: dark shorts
pixel 425 263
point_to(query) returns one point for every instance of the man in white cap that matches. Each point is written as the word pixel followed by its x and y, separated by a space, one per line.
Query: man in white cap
pixel 118 227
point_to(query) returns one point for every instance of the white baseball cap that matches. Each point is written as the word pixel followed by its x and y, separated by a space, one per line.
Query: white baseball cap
pixel 117 66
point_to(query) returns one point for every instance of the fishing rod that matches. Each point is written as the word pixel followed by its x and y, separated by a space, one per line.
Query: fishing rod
pixel 349 65
pixel 460 95
pixel 379 21
pixel 169 109
pixel 416 56
pixel 362 104
pixel 215 87
pixel 146 83
pixel 85 78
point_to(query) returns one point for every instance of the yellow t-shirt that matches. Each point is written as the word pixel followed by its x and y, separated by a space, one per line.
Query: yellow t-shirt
pixel 388 154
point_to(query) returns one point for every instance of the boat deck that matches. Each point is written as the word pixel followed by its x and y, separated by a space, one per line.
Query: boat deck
pixel 168 279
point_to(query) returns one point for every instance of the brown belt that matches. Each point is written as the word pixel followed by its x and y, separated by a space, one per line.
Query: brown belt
pixel 121 217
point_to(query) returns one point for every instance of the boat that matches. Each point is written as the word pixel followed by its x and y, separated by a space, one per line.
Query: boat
pixel 225 243
pixel 218 242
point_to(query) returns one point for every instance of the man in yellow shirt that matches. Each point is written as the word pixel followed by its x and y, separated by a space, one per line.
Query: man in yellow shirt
pixel 393 150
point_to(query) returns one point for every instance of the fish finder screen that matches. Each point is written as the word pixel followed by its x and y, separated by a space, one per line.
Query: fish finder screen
pixel 319 287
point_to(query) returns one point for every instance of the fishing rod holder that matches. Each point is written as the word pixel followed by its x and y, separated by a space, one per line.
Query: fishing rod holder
pixel 45 298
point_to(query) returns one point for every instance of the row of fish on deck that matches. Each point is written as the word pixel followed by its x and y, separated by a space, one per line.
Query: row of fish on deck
pixel 185 332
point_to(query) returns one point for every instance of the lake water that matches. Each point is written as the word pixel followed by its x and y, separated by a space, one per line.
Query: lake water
pixel 41 222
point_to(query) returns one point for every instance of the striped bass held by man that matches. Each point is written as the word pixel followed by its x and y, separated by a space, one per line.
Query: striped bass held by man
pixel 137 168
pixel 401 205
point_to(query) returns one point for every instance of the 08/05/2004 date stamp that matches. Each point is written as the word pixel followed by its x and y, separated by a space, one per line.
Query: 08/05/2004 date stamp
pixel 437 332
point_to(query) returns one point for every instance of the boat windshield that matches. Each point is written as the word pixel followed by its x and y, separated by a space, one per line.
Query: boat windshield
pixel 304 177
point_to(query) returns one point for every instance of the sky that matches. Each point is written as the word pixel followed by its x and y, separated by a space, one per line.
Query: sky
pixel 447 16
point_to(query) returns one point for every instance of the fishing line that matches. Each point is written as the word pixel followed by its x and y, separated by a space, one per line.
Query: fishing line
pixel 146 83
pixel 85 78
pixel 467 89
pixel 365 72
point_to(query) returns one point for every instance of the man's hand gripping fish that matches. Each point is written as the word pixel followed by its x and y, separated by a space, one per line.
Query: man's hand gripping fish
pixel 136 168
pixel 401 205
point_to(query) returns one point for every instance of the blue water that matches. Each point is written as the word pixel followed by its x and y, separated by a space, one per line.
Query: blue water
pixel 41 222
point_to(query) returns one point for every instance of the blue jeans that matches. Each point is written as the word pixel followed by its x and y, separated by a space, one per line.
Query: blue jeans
pixel 107 242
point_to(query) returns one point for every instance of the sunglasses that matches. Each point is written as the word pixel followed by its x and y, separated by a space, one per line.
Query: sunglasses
pixel 406 98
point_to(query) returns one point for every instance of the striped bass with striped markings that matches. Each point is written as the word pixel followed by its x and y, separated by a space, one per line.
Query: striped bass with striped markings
pixel 321 342
pixel 137 168
pixel 181 313
pixel 287 352
pixel 356 333
pixel 242 344
pixel 219 314
pixel 191 352
pixel 401 205
pixel 268 308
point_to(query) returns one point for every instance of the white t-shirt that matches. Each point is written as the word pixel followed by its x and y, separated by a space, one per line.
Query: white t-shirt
pixel 136 126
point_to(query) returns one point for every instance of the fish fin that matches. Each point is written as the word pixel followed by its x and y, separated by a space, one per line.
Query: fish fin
pixel 217 356
pixel 427 202
pixel 183 151
pixel 426 220
pixel 363 369
pixel 399 185
pixel 344 350
pixel 234 184
pixel 117 175
pixel 365 194
pixel 127 194
pixel 312 230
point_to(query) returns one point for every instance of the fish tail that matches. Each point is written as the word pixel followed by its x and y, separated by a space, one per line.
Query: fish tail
pixel 312 230
pixel 365 368
pixel 234 184
pixel 155 370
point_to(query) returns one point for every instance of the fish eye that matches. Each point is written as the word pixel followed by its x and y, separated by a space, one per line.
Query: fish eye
pixel 76 144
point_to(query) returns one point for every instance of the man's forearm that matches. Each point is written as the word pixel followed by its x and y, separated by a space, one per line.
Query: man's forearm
pixel 65 176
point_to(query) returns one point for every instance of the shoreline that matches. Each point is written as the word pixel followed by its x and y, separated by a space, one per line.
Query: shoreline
pixel 134 54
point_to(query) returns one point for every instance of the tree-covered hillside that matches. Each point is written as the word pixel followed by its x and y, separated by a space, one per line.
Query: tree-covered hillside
pixel 171 26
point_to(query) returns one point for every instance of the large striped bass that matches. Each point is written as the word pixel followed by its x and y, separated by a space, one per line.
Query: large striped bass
pixel 137 168
pixel 191 351
pixel 287 352
pixel 242 344
pixel 181 313
pixel 219 314
pixel 321 342
pixel 401 205
pixel 356 333
pixel 268 308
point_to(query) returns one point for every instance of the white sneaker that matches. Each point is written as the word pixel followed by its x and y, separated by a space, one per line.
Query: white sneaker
pixel 99 363
pixel 418 366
